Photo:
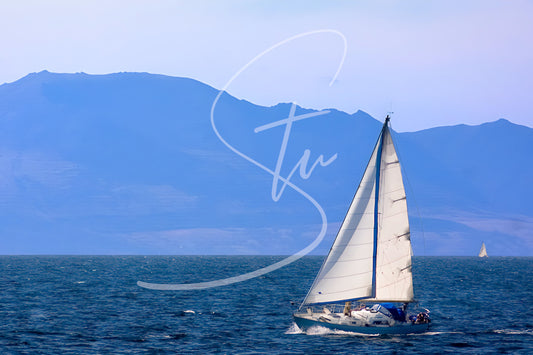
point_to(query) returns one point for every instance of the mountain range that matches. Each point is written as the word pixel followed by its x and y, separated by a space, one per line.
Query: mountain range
pixel 129 163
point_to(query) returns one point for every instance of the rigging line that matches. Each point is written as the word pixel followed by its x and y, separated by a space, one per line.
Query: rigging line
pixel 356 228
pixel 349 260
pixel 403 168
pixel 345 290
pixel 349 275
pixel 353 244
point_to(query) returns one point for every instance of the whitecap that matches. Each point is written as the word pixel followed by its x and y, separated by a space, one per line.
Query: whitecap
pixel 318 330
pixel 294 329
pixel 514 331
pixel 435 333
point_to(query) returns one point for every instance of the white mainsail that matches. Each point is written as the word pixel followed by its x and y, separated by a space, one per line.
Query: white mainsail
pixel 483 251
pixel 371 256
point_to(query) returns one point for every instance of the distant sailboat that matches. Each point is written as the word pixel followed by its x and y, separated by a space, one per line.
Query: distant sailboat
pixel 370 260
pixel 483 251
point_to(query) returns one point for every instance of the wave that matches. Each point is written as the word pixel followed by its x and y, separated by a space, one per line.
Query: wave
pixel 514 331
pixel 318 330
pixel 294 329
pixel 436 333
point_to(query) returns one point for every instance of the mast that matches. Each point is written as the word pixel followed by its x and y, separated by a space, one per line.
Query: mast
pixel 376 205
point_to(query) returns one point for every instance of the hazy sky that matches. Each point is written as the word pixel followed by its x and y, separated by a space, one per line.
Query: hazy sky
pixel 431 62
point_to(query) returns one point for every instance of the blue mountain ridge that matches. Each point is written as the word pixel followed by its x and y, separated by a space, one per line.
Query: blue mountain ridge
pixel 128 163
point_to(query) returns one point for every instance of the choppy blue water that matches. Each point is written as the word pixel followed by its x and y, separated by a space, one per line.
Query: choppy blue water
pixel 91 304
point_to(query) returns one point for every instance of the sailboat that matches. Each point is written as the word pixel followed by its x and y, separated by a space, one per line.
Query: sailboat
pixel 369 263
pixel 483 251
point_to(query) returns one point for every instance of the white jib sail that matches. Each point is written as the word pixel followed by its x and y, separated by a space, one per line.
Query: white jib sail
pixel 348 272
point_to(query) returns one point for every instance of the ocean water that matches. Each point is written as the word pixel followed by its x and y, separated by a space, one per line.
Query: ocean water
pixel 92 305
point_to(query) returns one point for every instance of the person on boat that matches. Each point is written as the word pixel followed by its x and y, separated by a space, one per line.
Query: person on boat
pixel 360 307
pixel 348 308
pixel 422 318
